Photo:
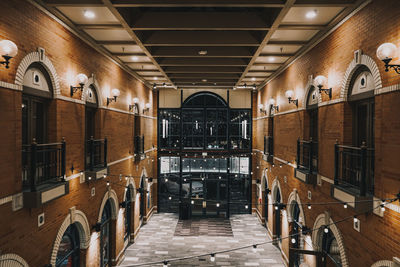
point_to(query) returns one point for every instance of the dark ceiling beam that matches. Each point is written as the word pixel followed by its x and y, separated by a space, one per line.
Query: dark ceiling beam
pixel 324 3
pixel 190 51
pixel 276 55
pixel 202 62
pixel 199 38
pixel 53 3
pixel 99 26
pixel 129 54
pixel 116 42
pixel 209 80
pixel 200 21
pixel 203 69
pixel 198 3
pixel 202 75
pixel 267 37
pixel 300 27
pixel 121 19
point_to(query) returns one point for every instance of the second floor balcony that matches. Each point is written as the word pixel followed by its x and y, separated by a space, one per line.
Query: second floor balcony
pixel 307 161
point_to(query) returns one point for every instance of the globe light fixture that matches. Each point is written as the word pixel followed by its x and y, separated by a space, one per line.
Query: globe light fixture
pixel 81 79
pixel 387 52
pixel 320 80
pixel 8 50
pixel 114 94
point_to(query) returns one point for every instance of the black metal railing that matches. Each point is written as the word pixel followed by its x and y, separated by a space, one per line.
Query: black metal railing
pixel 354 168
pixel 268 145
pixel 307 155
pixel 96 154
pixel 43 164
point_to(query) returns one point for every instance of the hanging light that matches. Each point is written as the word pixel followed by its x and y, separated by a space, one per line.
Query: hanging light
pixel 355 219
pixel 254 248
pixel 326 230
pixel 309 206
pixel 383 207
pixel 212 258
pixel 345 205
pixel 293 240
pixel 165 263
pixel 386 52
pixel 169 197
pixel 8 50
pixel 217 205
pixel 108 183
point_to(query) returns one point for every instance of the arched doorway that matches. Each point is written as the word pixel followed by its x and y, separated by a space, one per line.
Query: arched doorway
pixel 296 230
pixel 329 246
pixel 105 235
pixel 68 251
pixel 278 229
pixel 266 197
pixel 142 198
pixel 128 212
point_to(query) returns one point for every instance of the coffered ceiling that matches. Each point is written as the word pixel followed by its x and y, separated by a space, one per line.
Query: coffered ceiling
pixel 201 43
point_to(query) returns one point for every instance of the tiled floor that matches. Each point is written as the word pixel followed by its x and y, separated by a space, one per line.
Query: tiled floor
pixel 204 226
pixel 157 241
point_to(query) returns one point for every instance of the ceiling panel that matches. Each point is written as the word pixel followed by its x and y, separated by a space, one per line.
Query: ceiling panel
pixel 102 15
pixel 227 42
pixel 109 34
pixel 298 15
pixel 293 35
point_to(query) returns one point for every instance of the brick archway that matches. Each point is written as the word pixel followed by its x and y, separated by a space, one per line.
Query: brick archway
pixel 322 220
pixel 41 58
pixel 92 82
pixel 294 197
pixel 110 194
pixel 360 60
pixel 383 263
pixel 78 218
pixel 12 260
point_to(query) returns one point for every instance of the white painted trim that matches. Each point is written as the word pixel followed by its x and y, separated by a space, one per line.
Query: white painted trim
pixel 11 86
pixel 12 260
pixel 326 179
pixel 5 200
pixel 294 197
pixel 119 160
pixel 383 263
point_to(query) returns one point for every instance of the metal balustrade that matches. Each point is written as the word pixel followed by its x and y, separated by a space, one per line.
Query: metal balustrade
pixel 307 156
pixel 96 154
pixel 43 164
pixel 354 169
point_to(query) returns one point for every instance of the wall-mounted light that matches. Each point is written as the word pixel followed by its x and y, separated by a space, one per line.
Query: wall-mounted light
pixel 272 104
pixel 135 101
pixel 386 52
pixel 81 79
pixel 289 95
pixel 8 50
pixel 147 107
pixel 262 109
pixel 320 81
pixel 114 93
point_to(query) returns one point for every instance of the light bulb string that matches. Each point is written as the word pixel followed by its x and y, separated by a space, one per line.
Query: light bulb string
pixel 257 244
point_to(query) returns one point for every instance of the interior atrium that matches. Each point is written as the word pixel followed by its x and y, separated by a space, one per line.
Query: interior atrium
pixel 200 133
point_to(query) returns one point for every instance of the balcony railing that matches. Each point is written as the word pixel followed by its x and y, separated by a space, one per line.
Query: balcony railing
pixel 307 155
pixel 42 164
pixel 354 169
pixel 96 154
pixel 268 145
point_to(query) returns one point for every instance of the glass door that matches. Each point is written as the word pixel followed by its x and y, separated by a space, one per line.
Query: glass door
pixel 197 195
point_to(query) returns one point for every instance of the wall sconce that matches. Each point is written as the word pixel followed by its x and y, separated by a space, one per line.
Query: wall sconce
pixel 81 79
pixel 320 81
pixel 115 93
pixel 135 101
pixel 262 109
pixel 289 95
pixel 386 52
pixel 8 50
pixel 272 104
pixel 147 107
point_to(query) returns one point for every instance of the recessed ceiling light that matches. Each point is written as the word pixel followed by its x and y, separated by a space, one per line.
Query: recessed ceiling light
pixel 204 80
pixel 89 14
pixel 135 58
pixel 311 14
pixel 271 59
pixel 155 78
pixel 253 79
pixel 203 52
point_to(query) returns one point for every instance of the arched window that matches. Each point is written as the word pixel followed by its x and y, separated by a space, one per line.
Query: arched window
pixel 278 213
pixel 128 212
pixel 68 251
pixel 105 236
pixel 296 231
pixel 142 198
pixel 330 248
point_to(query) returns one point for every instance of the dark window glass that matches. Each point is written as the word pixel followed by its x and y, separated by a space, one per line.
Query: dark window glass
pixel 68 251
pixel 105 235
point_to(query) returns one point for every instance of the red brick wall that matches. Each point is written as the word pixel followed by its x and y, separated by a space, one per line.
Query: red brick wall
pixel 30 28
pixel 366 30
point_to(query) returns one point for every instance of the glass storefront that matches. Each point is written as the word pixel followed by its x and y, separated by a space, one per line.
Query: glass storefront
pixel 212 186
